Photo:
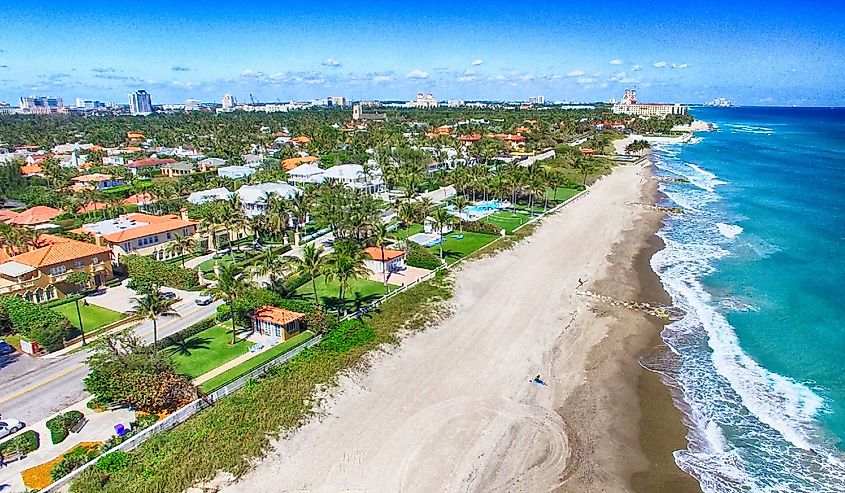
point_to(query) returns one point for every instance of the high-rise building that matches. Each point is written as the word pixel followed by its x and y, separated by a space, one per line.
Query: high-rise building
pixel 140 103
pixel 229 102
pixel 192 104
pixel 41 105
pixel 630 97
pixel 427 101
pixel 335 101
pixel 537 100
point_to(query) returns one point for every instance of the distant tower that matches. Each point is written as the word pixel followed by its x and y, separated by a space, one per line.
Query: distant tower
pixel 356 111
pixel 228 102
pixel 140 103
pixel 630 96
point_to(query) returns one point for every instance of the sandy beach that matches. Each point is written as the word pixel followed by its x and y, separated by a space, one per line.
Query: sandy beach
pixel 453 408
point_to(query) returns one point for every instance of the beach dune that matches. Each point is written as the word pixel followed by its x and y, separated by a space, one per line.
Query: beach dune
pixel 454 408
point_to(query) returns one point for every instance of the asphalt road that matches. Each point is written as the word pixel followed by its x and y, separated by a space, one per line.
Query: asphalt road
pixel 32 389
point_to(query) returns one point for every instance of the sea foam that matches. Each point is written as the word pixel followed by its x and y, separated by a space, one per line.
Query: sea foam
pixel 729 231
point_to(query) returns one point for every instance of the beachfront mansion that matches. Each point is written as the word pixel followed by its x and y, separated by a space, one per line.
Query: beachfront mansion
pixel 630 106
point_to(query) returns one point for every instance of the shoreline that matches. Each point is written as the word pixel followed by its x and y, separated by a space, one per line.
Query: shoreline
pixel 628 426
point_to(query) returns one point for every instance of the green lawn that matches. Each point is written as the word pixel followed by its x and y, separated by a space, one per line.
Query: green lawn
pixel 359 293
pixel 206 351
pixel 455 249
pixel 252 363
pixel 401 234
pixel 507 220
pixel 93 316
pixel 563 194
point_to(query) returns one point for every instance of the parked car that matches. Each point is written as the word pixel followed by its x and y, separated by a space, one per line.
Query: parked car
pixel 9 426
pixel 168 295
pixel 203 300
pixel 6 348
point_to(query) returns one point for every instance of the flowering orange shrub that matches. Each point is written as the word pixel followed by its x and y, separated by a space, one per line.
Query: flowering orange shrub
pixel 38 477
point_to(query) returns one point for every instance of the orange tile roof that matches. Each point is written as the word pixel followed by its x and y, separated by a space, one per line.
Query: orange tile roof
pixel 470 138
pixel 147 230
pixel 275 315
pixel 92 207
pixel 58 253
pixel 301 139
pixel 134 135
pixel 291 163
pixel 375 253
pixel 95 177
pixel 78 187
pixel 31 169
pixel 142 163
pixel 7 214
pixel 36 215
pixel 138 199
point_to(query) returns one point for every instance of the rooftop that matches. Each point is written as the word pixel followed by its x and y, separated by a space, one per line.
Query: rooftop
pixel 132 226
pixel 35 215
pixel 60 252
pixel 275 315
pixel 375 253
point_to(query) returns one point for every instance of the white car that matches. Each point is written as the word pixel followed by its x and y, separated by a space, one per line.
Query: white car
pixel 203 300
pixel 9 426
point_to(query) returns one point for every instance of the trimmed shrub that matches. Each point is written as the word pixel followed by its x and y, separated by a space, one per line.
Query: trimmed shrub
pixel 60 425
pixel 26 442
pixel 347 335
pixel 422 258
pixel 481 227
pixel 74 459
pixel 187 332
pixel 34 322
pixel 151 272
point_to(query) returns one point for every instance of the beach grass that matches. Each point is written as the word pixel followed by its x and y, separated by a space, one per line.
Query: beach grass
pixel 93 316
pixel 206 351
pixel 247 366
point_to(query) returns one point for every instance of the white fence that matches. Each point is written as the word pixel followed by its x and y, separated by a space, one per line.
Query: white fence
pixel 182 415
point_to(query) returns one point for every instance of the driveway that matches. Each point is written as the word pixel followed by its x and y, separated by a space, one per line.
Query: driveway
pixel 119 298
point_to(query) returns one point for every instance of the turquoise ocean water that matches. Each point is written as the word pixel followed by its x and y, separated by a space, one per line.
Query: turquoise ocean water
pixel 757 263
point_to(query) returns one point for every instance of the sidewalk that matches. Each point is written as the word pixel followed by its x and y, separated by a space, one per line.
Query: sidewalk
pixel 100 427
pixel 229 365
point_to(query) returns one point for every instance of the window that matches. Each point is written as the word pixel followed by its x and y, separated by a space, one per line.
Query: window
pixel 78 264
pixel 57 270
pixel 140 243
pixel 168 235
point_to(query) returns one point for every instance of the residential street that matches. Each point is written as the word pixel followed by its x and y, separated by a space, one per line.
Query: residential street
pixel 35 388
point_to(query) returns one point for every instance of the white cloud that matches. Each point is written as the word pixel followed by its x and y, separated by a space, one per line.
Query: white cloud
pixel 331 62
pixel 636 68
pixel 418 75
pixel 576 73
pixel 477 62
pixel 469 71
pixel 616 61
pixel 250 73
pixel 378 79
pixel 586 80
pixel 683 65
pixel 467 78
pixel 661 65
pixel 618 77
pixel 527 77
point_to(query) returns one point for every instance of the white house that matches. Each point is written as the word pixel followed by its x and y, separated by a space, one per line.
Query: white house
pixel 391 261
pixel 235 172
pixel 253 160
pixel 211 163
pixel 306 173
pixel 211 195
pixel 254 197
pixel 353 176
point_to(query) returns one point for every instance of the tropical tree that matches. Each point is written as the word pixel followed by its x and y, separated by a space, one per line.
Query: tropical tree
pixel 312 264
pixel 227 285
pixel 181 245
pixel 461 202
pixel 441 219
pixel 345 264
pixel 152 306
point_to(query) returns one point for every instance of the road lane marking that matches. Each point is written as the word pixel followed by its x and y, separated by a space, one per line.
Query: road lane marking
pixel 42 383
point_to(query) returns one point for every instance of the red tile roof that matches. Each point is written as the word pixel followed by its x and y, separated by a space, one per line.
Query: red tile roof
pixel 7 214
pixel 92 207
pixel 37 215
pixel 138 199
pixel 143 163
pixel 291 163
pixel 92 178
pixel 275 315
pixel 61 252
pixel 153 228
pixel 375 253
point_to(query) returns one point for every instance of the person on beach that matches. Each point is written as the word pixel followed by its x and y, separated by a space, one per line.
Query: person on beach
pixel 538 381
pixel 581 282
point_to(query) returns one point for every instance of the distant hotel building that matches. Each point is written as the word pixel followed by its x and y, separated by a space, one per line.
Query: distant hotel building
pixel 427 101
pixel 335 101
pixel 537 100
pixel 192 104
pixel 41 105
pixel 140 103
pixel 229 102
pixel 630 106
pixel 720 102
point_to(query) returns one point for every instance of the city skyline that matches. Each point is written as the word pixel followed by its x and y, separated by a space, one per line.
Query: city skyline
pixel 470 51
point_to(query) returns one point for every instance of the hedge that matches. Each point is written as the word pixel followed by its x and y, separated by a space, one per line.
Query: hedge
pixel 60 425
pixel 187 332
pixel 147 270
pixel 422 258
pixel 76 458
pixel 482 227
pixel 47 327
pixel 26 442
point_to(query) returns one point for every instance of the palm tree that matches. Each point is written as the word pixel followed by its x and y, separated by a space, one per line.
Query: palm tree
pixel 380 237
pixel 345 264
pixel 312 264
pixel 228 285
pixel 181 245
pixel 461 203
pixel 152 306
pixel 441 220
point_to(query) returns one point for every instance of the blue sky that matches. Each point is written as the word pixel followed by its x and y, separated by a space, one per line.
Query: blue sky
pixel 774 52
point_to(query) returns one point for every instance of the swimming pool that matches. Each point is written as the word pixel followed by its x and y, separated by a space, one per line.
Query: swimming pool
pixel 479 209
